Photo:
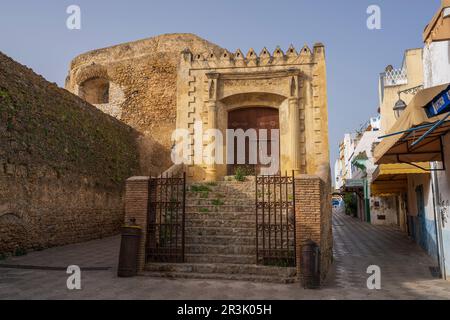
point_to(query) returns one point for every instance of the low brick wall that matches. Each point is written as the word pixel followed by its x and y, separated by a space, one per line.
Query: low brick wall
pixel 313 219
pixel 136 208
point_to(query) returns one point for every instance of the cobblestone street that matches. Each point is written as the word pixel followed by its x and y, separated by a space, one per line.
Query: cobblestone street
pixel 404 266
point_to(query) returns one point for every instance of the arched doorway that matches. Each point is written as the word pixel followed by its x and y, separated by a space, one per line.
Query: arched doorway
pixel 257 118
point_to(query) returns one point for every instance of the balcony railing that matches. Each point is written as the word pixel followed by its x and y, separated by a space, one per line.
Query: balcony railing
pixel 395 77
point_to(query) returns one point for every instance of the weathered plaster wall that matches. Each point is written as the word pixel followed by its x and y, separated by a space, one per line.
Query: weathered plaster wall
pixel 143 77
pixel 63 164
pixel 444 203
pixel 414 69
pixel 383 210
pixel 436 63
pixel 425 232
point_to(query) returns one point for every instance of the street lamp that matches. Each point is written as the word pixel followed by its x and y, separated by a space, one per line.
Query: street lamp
pixel 401 105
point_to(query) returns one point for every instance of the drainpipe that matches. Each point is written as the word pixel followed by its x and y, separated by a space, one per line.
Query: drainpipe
pixel 437 219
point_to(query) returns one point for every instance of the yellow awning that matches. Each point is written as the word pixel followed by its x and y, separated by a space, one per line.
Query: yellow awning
pixel 387 189
pixel 397 148
pixel 391 179
pixel 400 168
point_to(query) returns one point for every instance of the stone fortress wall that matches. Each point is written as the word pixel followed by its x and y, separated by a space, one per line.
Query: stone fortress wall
pixel 142 78
pixel 63 164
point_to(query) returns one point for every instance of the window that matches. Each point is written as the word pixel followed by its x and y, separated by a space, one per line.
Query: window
pixel 95 91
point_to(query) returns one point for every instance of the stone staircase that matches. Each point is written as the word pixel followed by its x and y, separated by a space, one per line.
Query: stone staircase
pixel 220 237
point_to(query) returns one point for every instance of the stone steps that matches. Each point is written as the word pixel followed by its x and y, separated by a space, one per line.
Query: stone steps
pixel 223 202
pixel 221 268
pixel 223 249
pixel 224 208
pixel 222 215
pixel 221 239
pixel 216 223
pixel 224 271
pixel 220 231
pixel 220 258
pixel 219 276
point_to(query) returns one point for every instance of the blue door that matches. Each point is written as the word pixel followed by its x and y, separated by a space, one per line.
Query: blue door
pixel 421 221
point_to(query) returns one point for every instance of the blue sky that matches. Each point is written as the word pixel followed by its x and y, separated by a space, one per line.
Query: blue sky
pixel 35 34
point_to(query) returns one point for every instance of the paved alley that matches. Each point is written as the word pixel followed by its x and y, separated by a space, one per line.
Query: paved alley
pixel 404 267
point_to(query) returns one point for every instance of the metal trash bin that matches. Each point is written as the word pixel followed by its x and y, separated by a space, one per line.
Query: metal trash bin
pixel 310 265
pixel 129 251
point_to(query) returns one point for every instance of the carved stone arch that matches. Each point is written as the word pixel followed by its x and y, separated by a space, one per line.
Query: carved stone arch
pixel 95 90
pixel 93 84
pixel 90 72
pixel 251 99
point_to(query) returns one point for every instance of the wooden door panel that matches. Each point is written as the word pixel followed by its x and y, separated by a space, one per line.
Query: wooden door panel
pixel 253 118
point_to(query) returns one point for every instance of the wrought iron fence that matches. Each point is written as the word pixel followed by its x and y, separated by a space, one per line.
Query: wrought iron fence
pixel 166 219
pixel 275 220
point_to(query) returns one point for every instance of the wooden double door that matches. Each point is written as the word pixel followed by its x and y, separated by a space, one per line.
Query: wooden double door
pixel 254 118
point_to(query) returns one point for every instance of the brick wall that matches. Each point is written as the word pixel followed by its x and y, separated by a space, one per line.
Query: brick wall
pixel 313 218
pixel 136 208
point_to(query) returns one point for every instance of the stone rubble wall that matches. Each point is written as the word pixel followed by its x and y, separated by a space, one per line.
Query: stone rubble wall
pixel 143 85
pixel 63 164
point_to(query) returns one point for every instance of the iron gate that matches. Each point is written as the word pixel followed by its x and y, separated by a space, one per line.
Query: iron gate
pixel 166 219
pixel 275 220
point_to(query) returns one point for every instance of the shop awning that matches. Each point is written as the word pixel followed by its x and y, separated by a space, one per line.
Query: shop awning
pixel 391 179
pixel 354 185
pixel 415 137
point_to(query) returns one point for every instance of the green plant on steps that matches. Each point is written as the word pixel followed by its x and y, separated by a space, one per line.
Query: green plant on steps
pixel 211 184
pixel 217 202
pixel 240 174
pixel 204 210
pixel 204 195
pixel 200 188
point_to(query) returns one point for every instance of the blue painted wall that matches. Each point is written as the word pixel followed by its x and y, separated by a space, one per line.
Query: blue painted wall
pixel 425 235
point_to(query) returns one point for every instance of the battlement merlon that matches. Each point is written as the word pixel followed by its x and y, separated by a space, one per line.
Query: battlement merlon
pixel 209 60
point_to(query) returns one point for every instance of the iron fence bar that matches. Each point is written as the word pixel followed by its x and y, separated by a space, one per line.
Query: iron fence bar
pixel 184 218
pixel 270 214
pixel 294 217
pixel 167 214
pixel 263 205
pixel 256 217
pixel 177 214
pixel 159 204
pixel 287 213
pixel 281 214
pixel 275 211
